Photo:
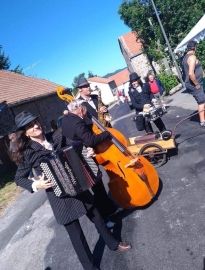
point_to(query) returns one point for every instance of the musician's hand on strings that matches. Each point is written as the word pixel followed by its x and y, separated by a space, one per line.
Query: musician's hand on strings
pixel 103 109
pixel 132 163
pixel 90 152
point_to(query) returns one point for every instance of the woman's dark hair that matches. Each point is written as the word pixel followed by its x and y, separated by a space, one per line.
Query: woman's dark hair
pixel 17 146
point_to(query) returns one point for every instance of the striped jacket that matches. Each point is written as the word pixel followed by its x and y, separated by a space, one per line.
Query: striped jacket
pixel 65 209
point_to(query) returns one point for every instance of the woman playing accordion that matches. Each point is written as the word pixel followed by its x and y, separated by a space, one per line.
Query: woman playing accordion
pixel 29 150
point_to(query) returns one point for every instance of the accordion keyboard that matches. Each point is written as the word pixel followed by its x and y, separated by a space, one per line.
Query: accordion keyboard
pixel 57 190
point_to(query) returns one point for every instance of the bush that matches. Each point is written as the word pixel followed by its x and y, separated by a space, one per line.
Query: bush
pixel 168 81
pixel 200 52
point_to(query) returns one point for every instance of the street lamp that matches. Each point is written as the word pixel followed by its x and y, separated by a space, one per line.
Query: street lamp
pixel 168 44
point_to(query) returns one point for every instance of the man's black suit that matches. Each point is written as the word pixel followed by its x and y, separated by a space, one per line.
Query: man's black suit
pixel 78 129
pixel 139 99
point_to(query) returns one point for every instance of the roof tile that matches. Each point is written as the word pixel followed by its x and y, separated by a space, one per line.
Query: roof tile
pixel 16 88
pixel 131 43
pixel 99 80
pixel 120 77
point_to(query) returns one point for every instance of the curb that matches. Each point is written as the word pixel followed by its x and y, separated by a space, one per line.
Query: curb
pixel 176 89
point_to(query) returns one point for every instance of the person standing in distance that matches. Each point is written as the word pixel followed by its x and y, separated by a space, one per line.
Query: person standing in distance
pixel 90 100
pixel 194 78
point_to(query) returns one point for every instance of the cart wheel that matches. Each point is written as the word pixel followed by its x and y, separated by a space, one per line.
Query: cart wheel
pixel 154 153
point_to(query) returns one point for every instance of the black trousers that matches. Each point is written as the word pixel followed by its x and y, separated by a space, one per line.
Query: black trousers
pixel 158 122
pixel 79 241
pixel 103 203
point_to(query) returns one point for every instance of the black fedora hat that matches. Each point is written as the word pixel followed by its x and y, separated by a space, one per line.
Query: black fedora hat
pixel 134 77
pixel 23 119
pixel 81 82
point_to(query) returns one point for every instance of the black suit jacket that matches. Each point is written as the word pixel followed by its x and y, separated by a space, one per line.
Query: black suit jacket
pixel 140 99
pixel 90 109
pixel 78 129
pixel 65 209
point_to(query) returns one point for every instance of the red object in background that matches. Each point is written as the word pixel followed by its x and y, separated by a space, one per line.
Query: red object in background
pixel 154 87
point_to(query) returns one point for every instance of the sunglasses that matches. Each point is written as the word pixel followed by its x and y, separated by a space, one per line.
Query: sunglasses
pixel 85 86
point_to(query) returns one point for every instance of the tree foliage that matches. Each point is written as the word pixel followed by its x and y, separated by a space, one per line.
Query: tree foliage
pixel 76 78
pixel 90 74
pixel 168 81
pixel 178 17
pixel 6 64
pixel 4 60
pixel 201 52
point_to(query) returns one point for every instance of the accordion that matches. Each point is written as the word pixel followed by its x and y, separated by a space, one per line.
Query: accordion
pixel 69 173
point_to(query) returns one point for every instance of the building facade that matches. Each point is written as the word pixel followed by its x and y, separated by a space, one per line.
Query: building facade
pixel 132 50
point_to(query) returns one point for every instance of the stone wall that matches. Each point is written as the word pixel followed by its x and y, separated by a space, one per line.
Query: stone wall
pixel 141 65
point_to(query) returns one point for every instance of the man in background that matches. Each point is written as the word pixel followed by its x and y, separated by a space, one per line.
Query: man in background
pixel 90 100
pixel 194 78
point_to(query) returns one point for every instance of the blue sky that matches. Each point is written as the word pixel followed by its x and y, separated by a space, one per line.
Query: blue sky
pixel 59 39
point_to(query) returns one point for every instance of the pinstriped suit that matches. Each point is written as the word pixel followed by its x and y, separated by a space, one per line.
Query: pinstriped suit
pixel 66 210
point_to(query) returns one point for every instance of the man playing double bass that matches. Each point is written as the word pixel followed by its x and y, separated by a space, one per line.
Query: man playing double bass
pixel 77 127
pixel 133 181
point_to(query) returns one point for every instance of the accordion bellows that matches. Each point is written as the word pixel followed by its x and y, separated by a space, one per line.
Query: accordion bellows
pixel 70 174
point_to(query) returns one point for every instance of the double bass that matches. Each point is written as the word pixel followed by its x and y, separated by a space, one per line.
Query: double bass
pixel 133 181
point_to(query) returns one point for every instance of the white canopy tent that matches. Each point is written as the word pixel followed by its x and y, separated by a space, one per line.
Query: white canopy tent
pixel 197 33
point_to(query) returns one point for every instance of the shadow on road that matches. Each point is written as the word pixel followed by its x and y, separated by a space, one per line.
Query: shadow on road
pixel 192 137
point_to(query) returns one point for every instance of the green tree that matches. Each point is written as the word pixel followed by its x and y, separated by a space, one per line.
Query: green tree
pixel 201 52
pixel 4 60
pixel 76 78
pixel 6 64
pixel 178 17
pixel 90 74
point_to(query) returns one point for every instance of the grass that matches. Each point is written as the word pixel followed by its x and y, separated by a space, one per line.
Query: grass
pixel 8 191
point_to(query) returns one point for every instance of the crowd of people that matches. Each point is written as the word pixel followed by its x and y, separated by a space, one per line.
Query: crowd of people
pixel 29 146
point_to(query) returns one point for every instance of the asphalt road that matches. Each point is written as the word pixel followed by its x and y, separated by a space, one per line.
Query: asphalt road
pixel 168 235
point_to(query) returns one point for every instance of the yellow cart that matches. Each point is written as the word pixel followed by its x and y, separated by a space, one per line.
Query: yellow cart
pixel 153 147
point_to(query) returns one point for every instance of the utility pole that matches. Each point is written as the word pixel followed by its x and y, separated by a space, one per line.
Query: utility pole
pixel 168 44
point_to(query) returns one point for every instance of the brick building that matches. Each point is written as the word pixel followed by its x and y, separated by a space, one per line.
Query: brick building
pixel 132 49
